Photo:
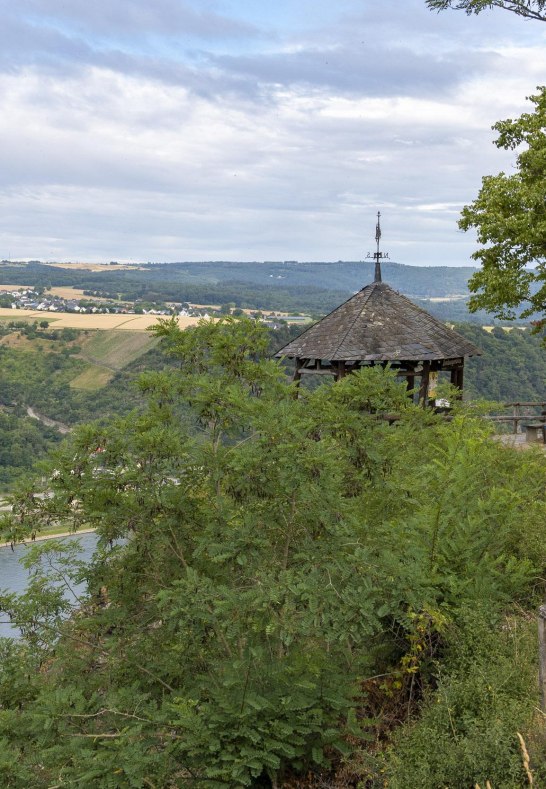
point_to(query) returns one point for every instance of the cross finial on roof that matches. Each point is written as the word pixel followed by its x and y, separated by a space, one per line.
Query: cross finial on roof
pixel 377 255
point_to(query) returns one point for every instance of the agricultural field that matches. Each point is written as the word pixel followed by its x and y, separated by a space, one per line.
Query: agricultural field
pixel 96 266
pixel 71 293
pixel 92 378
pixel 115 349
pixel 490 329
pixel 74 320
pixel 24 317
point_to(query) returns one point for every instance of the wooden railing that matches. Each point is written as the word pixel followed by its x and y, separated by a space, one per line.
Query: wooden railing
pixel 521 412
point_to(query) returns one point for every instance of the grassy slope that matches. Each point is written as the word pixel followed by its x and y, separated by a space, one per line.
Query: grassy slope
pixel 92 378
pixel 116 349
pixel 59 380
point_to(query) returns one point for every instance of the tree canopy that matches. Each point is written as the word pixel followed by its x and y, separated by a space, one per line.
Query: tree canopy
pixel 509 215
pixel 529 9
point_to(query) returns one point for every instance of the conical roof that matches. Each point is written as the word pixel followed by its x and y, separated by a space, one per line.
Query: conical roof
pixel 379 324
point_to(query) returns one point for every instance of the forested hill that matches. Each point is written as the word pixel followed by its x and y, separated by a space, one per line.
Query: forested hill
pixel 342 276
pixel 512 366
pixel 421 281
pixel 313 288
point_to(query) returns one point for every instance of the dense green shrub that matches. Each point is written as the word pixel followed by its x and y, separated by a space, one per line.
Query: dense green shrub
pixel 280 555
pixel 486 693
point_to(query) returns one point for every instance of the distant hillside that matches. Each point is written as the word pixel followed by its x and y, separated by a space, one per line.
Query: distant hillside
pixel 309 287
pixel 421 281
pixel 75 376
pixel 512 366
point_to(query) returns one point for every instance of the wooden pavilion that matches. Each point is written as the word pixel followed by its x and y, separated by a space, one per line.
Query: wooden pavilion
pixel 378 325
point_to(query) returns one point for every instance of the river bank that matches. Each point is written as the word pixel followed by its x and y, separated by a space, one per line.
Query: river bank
pixel 42 537
pixel 15 577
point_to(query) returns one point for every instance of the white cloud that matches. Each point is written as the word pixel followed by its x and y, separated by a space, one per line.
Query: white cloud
pixel 212 156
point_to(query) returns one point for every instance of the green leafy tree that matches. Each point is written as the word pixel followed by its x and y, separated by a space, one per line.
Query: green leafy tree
pixel 529 9
pixel 509 215
pixel 509 212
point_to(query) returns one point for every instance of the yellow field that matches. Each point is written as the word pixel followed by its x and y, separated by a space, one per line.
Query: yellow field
pixel 69 320
pixel 489 329
pixel 96 266
pixel 14 287
pixel 71 293
pixel 266 313
pixel 92 378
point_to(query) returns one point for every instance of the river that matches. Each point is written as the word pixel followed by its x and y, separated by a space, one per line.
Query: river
pixel 14 577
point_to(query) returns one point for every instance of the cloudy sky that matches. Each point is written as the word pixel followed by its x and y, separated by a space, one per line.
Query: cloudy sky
pixel 251 130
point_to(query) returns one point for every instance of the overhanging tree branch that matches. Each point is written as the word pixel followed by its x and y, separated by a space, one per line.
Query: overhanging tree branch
pixel 528 9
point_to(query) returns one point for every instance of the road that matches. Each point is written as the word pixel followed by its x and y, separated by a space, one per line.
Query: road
pixel 61 427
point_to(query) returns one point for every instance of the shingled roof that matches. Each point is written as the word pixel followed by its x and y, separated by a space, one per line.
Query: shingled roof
pixel 379 324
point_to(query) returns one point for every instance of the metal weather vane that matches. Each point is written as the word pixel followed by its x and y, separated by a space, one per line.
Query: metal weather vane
pixel 378 256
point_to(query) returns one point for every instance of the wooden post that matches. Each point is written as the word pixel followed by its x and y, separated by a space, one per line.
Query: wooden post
pixel 409 372
pixel 423 389
pixel 341 371
pixel 410 384
pixel 457 377
pixel 460 381
pixel 297 376
pixel 542 656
